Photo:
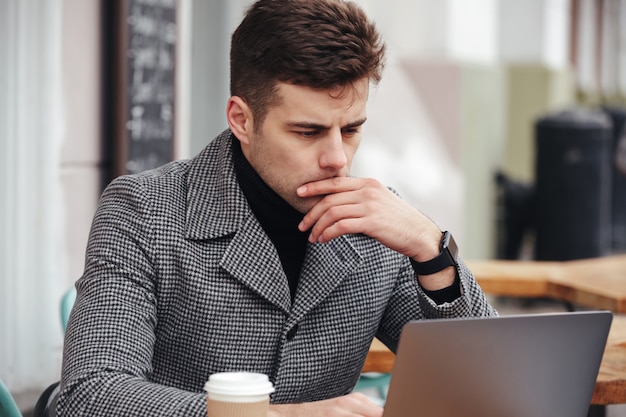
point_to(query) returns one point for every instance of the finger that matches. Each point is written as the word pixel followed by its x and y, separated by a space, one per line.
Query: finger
pixel 335 222
pixel 363 406
pixel 323 206
pixel 330 186
pixel 340 228
pixel 358 219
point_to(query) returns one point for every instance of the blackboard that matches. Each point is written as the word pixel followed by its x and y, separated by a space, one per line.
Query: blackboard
pixel 146 84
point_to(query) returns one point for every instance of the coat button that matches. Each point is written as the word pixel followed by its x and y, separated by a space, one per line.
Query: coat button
pixel 292 333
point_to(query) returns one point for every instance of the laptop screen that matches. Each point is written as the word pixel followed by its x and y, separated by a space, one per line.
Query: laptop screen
pixel 531 365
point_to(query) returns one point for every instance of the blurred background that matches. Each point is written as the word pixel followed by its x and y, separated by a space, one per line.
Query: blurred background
pixel 92 89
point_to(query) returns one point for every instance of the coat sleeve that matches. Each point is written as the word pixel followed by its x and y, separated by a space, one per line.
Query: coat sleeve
pixel 110 337
pixel 410 302
pixel 471 303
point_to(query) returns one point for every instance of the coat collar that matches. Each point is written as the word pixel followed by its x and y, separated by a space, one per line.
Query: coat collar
pixel 216 206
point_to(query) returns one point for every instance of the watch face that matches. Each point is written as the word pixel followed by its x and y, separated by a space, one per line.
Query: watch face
pixel 451 246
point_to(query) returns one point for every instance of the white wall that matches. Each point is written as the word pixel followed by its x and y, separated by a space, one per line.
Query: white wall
pixel 212 25
pixel 457 29
pixel 534 31
pixel 32 263
pixel 51 160
pixel 613 48
pixel 81 152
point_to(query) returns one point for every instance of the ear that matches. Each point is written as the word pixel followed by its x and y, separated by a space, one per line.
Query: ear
pixel 239 117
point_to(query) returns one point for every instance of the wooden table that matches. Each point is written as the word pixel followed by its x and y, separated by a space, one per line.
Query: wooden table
pixel 379 358
pixel 610 385
pixel 597 282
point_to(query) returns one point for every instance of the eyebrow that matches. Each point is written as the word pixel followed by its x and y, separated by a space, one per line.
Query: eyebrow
pixel 317 126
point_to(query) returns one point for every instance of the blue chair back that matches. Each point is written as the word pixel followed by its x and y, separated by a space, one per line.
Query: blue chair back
pixel 8 407
pixel 67 302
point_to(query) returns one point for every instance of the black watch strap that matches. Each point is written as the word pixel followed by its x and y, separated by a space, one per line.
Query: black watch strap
pixel 446 257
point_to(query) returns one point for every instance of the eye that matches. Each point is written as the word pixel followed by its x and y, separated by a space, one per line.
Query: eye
pixel 308 134
pixel 351 131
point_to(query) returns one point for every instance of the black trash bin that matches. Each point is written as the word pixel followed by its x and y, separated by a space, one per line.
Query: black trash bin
pixel 618 164
pixel 573 185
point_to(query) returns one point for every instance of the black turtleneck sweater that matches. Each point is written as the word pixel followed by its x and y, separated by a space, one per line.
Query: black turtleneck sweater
pixel 278 219
pixel 280 222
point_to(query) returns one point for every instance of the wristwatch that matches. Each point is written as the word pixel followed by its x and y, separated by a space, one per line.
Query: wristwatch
pixel 447 257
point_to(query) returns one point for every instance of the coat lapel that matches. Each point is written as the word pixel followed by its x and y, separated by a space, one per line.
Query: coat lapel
pixel 216 207
pixel 252 259
pixel 325 266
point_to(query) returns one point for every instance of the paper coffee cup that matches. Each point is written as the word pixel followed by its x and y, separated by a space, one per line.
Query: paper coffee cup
pixel 238 394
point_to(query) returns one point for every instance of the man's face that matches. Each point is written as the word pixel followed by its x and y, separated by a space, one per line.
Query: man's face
pixel 311 135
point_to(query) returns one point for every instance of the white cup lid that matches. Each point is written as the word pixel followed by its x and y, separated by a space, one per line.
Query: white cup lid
pixel 239 383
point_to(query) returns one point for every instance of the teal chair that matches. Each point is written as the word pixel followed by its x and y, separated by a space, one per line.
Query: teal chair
pixel 46 403
pixel 67 302
pixel 8 408
pixel 378 382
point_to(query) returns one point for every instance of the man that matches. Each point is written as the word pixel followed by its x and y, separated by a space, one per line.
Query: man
pixel 261 253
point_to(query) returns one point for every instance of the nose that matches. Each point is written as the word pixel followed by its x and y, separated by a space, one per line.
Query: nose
pixel 333 154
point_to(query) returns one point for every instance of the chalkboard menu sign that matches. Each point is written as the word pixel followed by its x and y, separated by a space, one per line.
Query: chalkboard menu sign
pixel 146 85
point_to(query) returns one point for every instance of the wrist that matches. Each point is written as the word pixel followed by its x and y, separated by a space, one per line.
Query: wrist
pixel 429 246
pixel 445 257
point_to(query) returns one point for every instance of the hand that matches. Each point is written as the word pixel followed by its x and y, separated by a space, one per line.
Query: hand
pixel 362 205
pixel 351 405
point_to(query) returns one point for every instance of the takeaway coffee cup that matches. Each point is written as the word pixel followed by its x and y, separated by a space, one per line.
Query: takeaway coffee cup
pixel 238 394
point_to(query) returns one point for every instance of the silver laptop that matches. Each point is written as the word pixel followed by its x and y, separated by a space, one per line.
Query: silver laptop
pixel 535 365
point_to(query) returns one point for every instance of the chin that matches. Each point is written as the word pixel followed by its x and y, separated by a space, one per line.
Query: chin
pixel 304 205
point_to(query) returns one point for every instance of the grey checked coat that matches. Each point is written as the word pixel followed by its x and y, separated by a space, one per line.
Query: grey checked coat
pixel 181 281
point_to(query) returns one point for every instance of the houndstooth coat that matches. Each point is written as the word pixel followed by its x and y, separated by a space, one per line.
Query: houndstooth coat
pixel 181 281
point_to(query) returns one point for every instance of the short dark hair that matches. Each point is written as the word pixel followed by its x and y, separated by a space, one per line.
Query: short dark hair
pixel 322 44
